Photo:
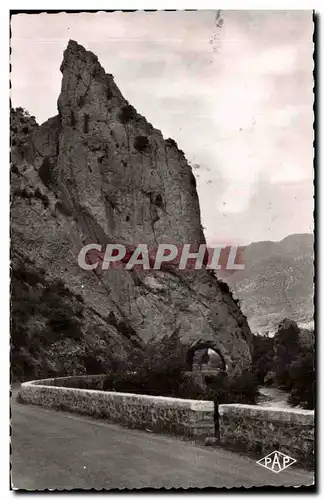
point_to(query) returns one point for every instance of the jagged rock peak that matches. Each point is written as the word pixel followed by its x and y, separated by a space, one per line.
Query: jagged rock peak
pixel 99 172
pixel 125 176
pixel 85 82
pixel 76 52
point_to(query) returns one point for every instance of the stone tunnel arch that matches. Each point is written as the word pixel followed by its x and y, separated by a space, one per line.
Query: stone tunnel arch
pixel 212 374
pixel 207 378
pixel 201 348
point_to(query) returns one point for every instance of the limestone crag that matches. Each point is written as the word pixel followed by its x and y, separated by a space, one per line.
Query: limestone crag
pixel 102 173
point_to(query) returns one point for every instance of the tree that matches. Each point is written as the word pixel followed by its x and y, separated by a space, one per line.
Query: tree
pixel 262 356
pixel 286 347
pixel 302 376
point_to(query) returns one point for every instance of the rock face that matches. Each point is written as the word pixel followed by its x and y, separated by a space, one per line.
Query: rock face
pixel 99 172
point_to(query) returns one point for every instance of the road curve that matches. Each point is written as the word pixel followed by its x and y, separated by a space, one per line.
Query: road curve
pixel 59 450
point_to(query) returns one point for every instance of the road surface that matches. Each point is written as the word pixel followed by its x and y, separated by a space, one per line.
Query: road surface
pixel 273 397
pixel 59 450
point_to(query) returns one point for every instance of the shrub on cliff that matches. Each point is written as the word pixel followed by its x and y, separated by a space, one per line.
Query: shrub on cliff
pixel 45 172
pixel 43 315
pixel 127 113
pixel 21 121
pixel 41 196
pixel 171 143
pixel 141 143
pixel 21 125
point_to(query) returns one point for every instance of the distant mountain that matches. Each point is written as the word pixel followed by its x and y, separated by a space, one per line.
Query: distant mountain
pixel 277 282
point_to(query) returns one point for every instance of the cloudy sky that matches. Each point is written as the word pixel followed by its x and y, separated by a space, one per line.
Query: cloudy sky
pixel 236 97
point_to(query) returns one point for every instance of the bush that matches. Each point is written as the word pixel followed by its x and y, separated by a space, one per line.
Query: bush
pixel 262 356
pixel 286 346
pixel 62 326
pixel 287 361
pixel 193 180
pixel 27 274
pixel 270 378
pixel 127 114
pixel 22 365
pixel 43 197
pixel 92 365
pixel 21 124
pixel 302 377
pixel 23 193
pixel 242 389
pixel 43 316
pixel 45 172
pixel 170 143
pixel 141 143
pixel 160 370
pixel 223 286
pixel 158 201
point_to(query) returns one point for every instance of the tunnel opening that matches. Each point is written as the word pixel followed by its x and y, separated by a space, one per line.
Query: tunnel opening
pixel 207 367
pixel 205 356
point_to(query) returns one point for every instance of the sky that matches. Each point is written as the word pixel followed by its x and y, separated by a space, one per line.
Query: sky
pixel 233 88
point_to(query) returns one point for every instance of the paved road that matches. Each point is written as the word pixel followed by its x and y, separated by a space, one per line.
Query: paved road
pixel 63 451
pixel 273 397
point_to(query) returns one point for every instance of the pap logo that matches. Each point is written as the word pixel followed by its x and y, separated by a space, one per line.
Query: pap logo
pixel 276 461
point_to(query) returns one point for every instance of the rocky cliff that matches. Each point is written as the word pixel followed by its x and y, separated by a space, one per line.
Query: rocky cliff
pixel 99 172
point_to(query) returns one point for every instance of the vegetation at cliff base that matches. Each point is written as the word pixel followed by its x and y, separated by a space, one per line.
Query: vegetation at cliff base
pixel 161 369
pixel 287 361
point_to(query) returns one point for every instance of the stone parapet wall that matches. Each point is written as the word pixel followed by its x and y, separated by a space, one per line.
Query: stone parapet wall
pixel 248 428
pixel 184 417
pixel 262 430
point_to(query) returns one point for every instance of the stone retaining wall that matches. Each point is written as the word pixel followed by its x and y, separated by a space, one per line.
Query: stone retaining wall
pixel 263 430
pixel 185 417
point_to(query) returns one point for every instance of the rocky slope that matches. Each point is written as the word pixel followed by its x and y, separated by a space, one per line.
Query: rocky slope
pixel 99 172
pixel 277 282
